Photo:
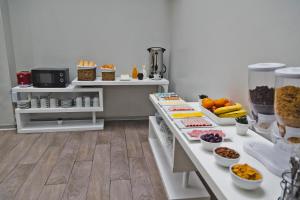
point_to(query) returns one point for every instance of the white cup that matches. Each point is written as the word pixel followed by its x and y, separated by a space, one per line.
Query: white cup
pixel 44 103
pixel 53 103
pixel 78 101
pixel 87 101
pixel 242 129
pixel 34 103
pixel 95 102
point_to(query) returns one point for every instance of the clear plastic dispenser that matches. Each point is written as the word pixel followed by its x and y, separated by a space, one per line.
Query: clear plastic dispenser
pixel 287 104
pixel 261 83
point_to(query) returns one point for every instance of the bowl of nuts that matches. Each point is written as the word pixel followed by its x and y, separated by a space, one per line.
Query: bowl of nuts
pixel 225 156
pixel 210 141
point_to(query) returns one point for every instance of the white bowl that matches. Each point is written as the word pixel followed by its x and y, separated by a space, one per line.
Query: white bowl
pixel 241 129
pixel 209 146
pixel 245 183
pixel 225 162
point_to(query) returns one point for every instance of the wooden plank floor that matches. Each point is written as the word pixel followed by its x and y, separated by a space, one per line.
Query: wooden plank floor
pixel 115 164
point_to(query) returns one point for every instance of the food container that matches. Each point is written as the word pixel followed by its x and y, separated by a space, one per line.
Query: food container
pixel 209 146
pixel 261 82
pixel 108 72
pixel 245 183
pixel 287 103
pixel 24 78
pixel 241 129
pixel 225 161
pixel 108 75
pixel 86 73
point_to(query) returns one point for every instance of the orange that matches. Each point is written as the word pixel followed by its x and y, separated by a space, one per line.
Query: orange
pixel 220 102
pixel 207 103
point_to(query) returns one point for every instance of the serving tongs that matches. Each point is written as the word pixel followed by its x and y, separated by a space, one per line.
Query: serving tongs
pixel 291 181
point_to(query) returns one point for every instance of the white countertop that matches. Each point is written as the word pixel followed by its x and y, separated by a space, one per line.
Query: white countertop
pixel 217 177
pixel 99 81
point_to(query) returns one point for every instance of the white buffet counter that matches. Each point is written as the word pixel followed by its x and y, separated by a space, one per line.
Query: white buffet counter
pixel 218 178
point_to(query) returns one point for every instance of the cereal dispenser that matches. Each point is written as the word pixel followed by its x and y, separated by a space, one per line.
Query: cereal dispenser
pixel 286 128
pixel 261 82
pixel 287 104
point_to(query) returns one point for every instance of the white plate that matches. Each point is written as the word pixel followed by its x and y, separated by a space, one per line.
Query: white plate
pixel 180 125
pixel 215 118
pixel 166 108
pixel 172 103
pixel 170 114
pixel 186 131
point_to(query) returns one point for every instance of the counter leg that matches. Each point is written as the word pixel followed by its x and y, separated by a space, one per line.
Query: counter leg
pixel 185 179
pixel 94 117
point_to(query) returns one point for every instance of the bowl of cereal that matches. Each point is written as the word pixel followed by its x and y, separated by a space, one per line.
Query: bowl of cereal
pixel 246 177
pixel 225 156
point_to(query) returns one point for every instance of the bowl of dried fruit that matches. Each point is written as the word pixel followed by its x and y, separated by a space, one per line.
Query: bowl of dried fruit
pixel 210 141
pixel 246 177
pixel 225 156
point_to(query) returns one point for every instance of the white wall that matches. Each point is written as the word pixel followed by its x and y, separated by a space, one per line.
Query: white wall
pixel 6 60
pixel 214 41
pixel 210 42
pixel 60 32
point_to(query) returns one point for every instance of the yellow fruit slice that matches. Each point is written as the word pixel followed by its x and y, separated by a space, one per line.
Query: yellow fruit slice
pixel 187 115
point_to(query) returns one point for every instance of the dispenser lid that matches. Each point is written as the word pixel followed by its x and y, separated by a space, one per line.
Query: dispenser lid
pixel 156 49
pixel 289 72
pixel 266 66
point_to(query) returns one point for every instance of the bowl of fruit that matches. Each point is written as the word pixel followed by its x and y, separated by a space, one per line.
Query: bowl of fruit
pixel 223 110
pixel 246 177
pixel 225 156
pixel 211 141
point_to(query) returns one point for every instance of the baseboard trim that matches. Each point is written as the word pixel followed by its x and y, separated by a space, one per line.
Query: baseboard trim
pixel 126 118
pixel 8 127
pixel 14 127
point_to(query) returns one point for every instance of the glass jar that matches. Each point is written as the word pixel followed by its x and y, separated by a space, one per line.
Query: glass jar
pixel 287 103
pixel 261 82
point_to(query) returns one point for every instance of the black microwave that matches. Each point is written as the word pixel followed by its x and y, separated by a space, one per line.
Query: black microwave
pixel 50 77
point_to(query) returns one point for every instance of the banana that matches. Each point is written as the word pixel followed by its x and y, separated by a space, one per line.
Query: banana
pixel 234 114
pixel 227 109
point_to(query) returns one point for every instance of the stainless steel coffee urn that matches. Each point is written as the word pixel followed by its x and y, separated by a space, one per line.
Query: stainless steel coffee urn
pixel 156 65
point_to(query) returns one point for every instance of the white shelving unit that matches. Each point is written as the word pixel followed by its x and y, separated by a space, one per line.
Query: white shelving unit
pixel 68 125
pixel 25 124
pixel 164 83
pixel 176 185
pixel 59 110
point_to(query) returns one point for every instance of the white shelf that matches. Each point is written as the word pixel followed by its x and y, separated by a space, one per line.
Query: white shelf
pixel 58 110
pixel 99 81
pixel 70 88
pixel 68 125
pixel 162 140
pixel 173 181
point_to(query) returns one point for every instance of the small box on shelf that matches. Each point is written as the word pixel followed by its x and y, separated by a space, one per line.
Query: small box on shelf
pixel 86 73
pixel 108 76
